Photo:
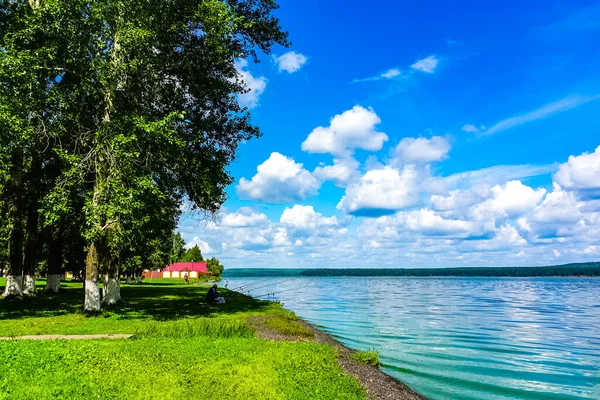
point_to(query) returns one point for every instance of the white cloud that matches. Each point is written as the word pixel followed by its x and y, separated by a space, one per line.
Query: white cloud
pixel 556 253
pixel 342 172
pixel 470 128
pixel 306 220
pixel 204 246
pixel 496 175
pixel 428 222
pixel 456 199
pixel 245 217
pixel 256 86
pixel 510 199
pixel 389 74
pixel 290 61
pixel 382 191
pixel 279 179
pixel 506 238
pixel 580 172
pixel 353 129
pixel 558 207
pixel 422 150
pixel 426 64
pixel 549 109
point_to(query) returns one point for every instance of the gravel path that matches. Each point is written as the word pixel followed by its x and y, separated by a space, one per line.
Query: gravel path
pixel 69 337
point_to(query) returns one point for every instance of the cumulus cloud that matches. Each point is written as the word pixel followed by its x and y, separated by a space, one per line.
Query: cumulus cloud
pixel 428 222
pixel 470 128
pixel 382 191
pixel 427 64
pixel 512 198
pixel 342 172
pixel 305 220
pixel 255 85
pixel 422 150
pixel 245 217
pixel 290 61
pixel 456 199
pixel 559 206
pixel 353 129
pixel 580 172
pixel 506 238
pixel 204 246
pixel 279 179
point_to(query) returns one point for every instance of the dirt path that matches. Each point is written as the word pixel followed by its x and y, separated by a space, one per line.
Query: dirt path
pixel 379 385
pixel 69 337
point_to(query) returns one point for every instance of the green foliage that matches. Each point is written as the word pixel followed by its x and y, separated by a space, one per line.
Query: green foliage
pixel 177 248
pixel 117 111
pixel 214 267
pixel 193 254
pixel 370 357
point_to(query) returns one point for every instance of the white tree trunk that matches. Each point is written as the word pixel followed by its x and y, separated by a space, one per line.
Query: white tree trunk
pixel 52 284
pixel 13 286
pixel 92 296
pixel 29 284
pixel 112 290
pixel 128 279
pixel 138 278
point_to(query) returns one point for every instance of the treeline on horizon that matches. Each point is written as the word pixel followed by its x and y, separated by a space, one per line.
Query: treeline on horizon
pixel 590 269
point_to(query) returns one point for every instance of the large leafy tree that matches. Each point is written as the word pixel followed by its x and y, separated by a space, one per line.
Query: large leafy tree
pixel 193 254
pixel 136 98
pixel 177 248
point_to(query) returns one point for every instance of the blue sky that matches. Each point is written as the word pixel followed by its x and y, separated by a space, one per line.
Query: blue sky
pixel 418 135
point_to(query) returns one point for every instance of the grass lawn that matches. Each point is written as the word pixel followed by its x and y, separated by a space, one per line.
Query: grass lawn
pixel 182 349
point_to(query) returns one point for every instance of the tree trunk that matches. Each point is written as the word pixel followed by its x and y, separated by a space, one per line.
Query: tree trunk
pixel 31 241
pixel 138 277
pixel 14 278
pixel 92 291
pixel 55 257
pixel 112 284
pixel 128 277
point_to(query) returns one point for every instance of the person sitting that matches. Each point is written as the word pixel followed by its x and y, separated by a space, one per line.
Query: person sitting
pixel 213 295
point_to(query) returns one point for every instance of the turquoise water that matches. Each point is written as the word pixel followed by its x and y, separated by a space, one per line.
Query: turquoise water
pixel 462 338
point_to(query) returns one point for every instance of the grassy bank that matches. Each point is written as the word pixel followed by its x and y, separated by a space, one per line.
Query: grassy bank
pixel 183 348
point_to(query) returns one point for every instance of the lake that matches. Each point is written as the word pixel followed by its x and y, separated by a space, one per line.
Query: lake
pixel 461 338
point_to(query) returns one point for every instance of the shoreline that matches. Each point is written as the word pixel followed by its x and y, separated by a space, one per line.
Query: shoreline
pixel 377 384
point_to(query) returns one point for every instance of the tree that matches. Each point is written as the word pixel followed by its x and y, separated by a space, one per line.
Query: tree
pixel 135 99
pixel 214 267
pixel 193 254
pixel 177 249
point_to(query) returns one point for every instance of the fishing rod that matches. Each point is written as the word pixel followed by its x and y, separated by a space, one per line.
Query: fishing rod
pixel 269 284
pixel 281 291
pixel 251 284
pixel 248 284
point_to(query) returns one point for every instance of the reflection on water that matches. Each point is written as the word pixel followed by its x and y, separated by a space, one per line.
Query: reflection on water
pixel 463 338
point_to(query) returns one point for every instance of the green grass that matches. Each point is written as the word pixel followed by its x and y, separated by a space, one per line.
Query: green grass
pixel 366 357
pixel 183 348
pixel 288 327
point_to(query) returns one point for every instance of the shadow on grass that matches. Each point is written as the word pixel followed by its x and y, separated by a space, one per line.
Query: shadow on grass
pixel 160 301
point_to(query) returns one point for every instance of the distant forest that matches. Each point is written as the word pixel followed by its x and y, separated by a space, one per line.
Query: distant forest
pixel 590 269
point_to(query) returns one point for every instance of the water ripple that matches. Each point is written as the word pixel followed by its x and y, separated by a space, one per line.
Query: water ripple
pixel 466 338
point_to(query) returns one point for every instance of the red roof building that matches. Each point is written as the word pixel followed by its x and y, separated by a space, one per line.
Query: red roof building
pixel 179 269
